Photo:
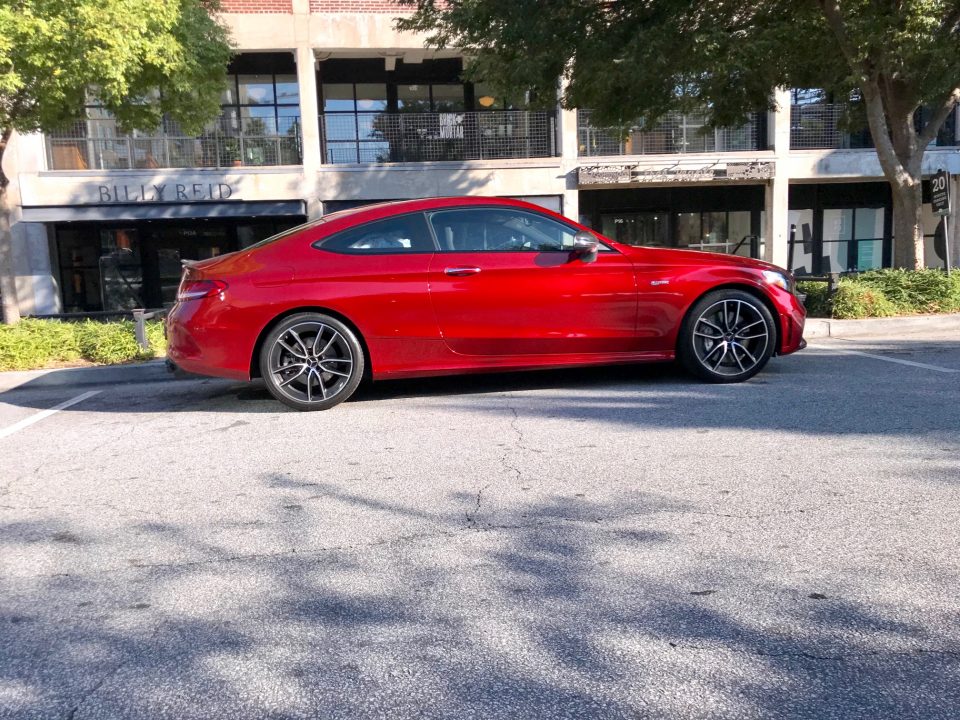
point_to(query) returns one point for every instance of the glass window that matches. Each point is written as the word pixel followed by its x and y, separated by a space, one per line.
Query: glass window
pixel 258 121
pixel 837 233
pixel 649 228
pixel 288 90
pixel 413 98
pixel 499 230
pixel 802 250
pixel 715 227
pixel 371 97
pixel 448 98
pixel 256 89
pixel 485 98
pixel 338 97
pixel 868 232
pixel 407 233
pixel 687 229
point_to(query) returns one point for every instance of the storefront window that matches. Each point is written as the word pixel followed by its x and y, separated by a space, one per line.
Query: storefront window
pixel 259 124
pixel 650 228
pixel 140 265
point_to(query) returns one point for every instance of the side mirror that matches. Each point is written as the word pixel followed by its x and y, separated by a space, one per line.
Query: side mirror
pixel 586 246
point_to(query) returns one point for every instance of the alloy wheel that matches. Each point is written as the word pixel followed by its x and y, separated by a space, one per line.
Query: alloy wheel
pixel 731 337
pixel 311 362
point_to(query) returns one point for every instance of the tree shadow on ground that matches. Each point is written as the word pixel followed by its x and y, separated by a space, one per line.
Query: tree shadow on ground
pixel 549 609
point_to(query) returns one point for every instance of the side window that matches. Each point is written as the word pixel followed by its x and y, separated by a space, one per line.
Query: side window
pixel 402 234
pixel 499 230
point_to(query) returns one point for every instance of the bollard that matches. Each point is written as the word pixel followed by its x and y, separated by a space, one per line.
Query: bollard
pixel 140 329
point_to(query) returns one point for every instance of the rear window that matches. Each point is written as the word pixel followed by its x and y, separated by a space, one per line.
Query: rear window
pixel 396 235
pixel 285 233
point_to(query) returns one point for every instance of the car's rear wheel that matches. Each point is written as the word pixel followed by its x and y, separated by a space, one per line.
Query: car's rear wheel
pixel 728 336
pixel 311 361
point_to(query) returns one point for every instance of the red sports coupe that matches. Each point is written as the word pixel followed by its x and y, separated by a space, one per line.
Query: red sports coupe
pixel 469 284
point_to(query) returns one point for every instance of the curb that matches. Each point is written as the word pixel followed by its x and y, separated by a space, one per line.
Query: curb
pixel 880 327
pixel 147 372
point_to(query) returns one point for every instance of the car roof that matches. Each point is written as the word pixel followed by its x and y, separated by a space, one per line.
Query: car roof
pixel 385 209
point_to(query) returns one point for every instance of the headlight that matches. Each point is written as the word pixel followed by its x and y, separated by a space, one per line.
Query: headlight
pixel 781 280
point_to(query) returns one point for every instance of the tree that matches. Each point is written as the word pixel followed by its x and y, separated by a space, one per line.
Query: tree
pixel 139 59
pixel 642 59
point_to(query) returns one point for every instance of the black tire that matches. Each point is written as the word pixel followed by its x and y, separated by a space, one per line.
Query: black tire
pixel 311 361
pixel 728 336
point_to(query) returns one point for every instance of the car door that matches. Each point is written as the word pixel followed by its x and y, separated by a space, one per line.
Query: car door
pixel 506 282
pixel 376 273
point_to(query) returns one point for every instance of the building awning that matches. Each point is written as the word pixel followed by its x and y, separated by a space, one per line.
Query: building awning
pixel 162 211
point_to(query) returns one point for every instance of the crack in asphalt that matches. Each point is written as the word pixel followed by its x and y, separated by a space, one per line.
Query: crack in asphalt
pixel 71 713
pixel 472 517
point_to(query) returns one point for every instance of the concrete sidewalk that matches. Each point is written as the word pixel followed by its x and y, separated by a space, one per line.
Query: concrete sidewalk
pixel 881 327
pixel 155 370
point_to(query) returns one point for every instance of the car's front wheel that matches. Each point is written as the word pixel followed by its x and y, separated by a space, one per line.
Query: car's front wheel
pixel 728 336
pixel 311 361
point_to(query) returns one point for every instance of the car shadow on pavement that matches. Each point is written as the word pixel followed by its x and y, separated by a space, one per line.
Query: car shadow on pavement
pixel 556 609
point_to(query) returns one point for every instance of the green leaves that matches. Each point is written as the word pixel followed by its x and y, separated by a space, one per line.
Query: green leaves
pixel 640 59
pixel 140 58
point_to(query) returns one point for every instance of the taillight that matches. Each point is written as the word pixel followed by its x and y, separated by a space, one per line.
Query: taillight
pixel 197 289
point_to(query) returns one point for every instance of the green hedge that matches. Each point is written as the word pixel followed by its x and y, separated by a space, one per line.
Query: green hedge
pixel 33 344
pixel 885 293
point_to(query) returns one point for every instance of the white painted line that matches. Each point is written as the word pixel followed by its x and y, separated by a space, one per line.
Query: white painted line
pixel 911 363
pixel 37 417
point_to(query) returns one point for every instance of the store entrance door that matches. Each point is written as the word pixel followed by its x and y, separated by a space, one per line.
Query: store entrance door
pixel 167 245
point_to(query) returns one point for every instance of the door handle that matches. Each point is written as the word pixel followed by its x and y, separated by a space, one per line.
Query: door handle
pixel 461 271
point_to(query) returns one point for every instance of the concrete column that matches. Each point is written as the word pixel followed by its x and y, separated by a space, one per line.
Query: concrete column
pixel 777 192
pixel 9 301
pixel 309 126
pixel 569 158
pixel 32 266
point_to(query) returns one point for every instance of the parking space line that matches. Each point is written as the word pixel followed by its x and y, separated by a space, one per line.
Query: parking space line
pixel 911 363
pixel 37 417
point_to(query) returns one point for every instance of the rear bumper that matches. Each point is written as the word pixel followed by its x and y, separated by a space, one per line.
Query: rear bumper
pixel 199 342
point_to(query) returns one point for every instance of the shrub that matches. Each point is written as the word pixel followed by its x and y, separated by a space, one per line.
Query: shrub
pixel 35 343
pixel 32 344
pixel 818 299
pixel 916 291
pixel 853 299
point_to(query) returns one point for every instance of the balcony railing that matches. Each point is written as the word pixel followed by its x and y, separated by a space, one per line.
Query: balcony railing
pixel 98 145
pixel 675 134
pixel 822 126
pixel 385 137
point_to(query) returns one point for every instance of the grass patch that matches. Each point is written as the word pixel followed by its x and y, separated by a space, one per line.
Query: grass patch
pixel 885 293
pixel 34 344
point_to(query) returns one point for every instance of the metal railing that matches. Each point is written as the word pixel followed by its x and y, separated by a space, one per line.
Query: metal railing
pixel 675 134
pixel 825 126
pixel 387 137
pixel 821 126
pixel 99 145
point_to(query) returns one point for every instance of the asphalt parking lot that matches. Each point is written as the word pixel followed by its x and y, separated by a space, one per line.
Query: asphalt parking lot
pixel 601 543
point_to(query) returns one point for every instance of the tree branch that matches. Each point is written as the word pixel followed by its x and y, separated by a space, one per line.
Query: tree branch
pixel 939 117
pixel 890 161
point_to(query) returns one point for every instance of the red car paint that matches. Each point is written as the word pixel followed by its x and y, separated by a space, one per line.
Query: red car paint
pixel 521 310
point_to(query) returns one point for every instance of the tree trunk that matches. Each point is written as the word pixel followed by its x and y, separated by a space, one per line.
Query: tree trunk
pixel 908 225
pixel 9 307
